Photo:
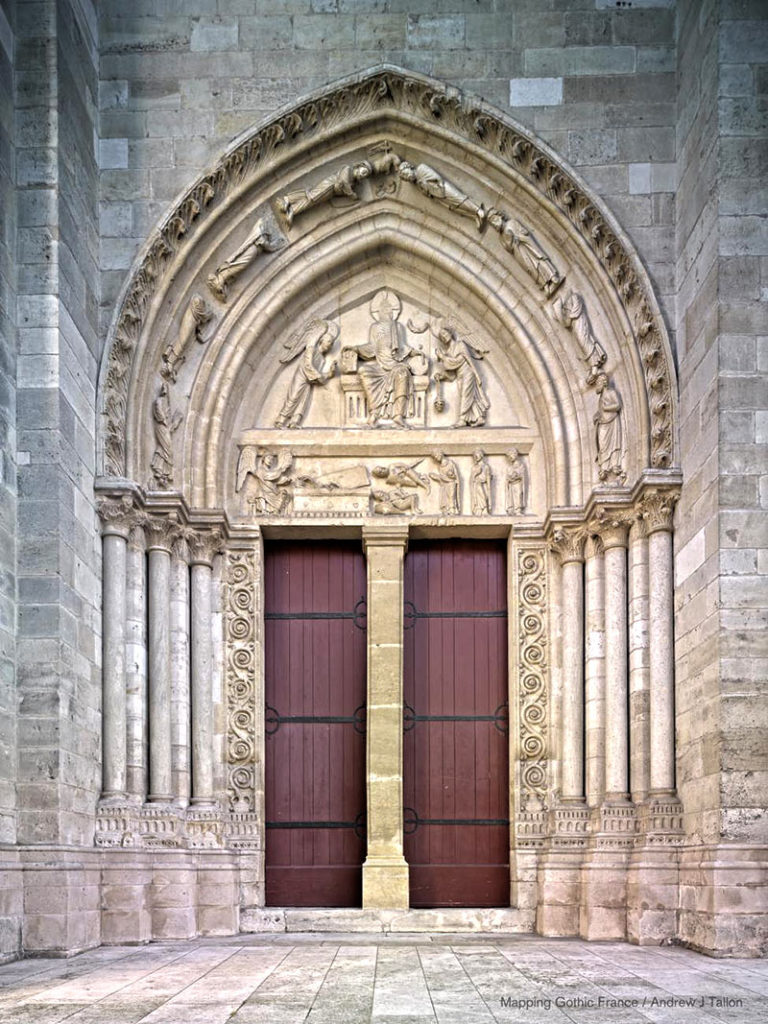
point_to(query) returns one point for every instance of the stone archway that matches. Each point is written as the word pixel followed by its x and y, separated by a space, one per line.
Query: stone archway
pixel 385 286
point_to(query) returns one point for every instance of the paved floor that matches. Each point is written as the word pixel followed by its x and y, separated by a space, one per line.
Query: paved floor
pixel 404 979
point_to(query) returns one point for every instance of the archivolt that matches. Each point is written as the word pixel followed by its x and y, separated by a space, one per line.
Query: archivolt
pixel 385 103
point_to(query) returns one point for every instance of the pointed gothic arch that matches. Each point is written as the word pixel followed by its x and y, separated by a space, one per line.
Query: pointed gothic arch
pixel 391 189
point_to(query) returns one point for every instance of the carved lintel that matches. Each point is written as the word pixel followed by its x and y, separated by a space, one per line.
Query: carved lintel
pixel 516 483
pixel 204 545
pixel 568 543
pixel 657 509
pixel 480 484
pixel 265 479
pixel 449 480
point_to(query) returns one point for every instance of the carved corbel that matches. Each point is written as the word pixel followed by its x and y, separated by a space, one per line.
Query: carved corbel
pixel 657 509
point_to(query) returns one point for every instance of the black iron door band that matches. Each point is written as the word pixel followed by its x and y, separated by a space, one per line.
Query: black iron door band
pixel 273 720
pixel 357 615
pixel 500 718
pixel 411 821
pixel 357 826
pixel 411 613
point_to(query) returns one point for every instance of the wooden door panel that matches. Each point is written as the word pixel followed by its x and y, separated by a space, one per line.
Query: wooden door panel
pixel 456 775
pixel 315 666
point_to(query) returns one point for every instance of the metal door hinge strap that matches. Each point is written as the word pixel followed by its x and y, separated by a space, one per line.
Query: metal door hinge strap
pixel 411 821
pixel 357 615
pixel 273 720
pixel 357 826
pixel 411 613
pixel 500 718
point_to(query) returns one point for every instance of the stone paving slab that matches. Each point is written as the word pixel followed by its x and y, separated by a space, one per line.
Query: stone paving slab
pixel 323 978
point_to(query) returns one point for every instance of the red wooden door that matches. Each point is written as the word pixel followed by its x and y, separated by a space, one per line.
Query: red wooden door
pixel 456 760
pixel 315 654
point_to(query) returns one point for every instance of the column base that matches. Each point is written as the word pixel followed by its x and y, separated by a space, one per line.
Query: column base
pixel 385 884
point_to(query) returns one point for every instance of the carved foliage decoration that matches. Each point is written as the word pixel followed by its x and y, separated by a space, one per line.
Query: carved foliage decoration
pixel 240 677
pixel 391 89
pixel 532 676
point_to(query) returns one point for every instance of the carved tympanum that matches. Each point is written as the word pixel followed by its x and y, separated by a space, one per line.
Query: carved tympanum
pixel 312 342
pixel 456 357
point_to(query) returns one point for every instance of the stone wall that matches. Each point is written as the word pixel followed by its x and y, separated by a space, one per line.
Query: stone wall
pixel 58 570
pixel 597 83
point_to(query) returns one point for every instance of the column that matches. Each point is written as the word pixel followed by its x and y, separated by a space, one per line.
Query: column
pixel 569 544
pixel 594 684
pixel 657 511
pixel 180 711
pixel 385 872
pixel 202 548
pixel 136 665
pixel 639 696
pixel 115 529
pixel 160 536
pixel 614 534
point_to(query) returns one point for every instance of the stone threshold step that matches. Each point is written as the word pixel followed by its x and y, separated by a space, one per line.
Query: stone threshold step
pixel 508 920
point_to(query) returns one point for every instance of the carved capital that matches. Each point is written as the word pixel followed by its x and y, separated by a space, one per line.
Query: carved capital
pixel 612 526
pixel 568 544
pixel 203 546
pixel 117 516
pixel 657 509
pixel 161 532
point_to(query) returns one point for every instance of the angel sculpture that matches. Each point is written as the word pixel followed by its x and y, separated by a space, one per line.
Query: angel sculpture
pixel 456 357
pixel 267 493
pixel 313 342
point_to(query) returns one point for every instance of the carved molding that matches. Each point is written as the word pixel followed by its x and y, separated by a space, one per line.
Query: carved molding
pixel 532 677
pixel 413 97
pixel 240 612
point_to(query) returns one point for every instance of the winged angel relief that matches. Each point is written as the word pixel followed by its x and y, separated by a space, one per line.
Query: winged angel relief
pixel 312 342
